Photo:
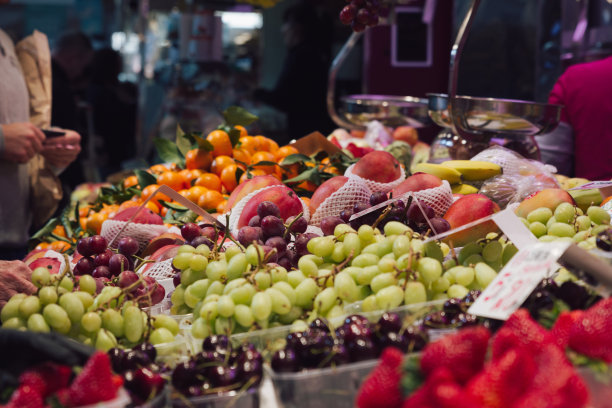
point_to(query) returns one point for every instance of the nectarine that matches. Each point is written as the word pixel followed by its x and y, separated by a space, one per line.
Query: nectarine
pixel 286 200
pixel 379 166
pixel 549 197
pixel 325 190
pixel 467 209
pixel 417 182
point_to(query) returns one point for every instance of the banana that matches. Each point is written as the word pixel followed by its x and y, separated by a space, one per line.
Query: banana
pixel 473 170
pixel 444 173
pixel 464 189
pixel 586 198
pixel 576 182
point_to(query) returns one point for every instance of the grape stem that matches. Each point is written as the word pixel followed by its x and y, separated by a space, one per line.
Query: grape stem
pixel 288 227
pixel 381 216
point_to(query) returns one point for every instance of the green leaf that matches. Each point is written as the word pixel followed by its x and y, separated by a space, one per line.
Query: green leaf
pixel 295 158
pixel 202 142
pixel 235 115
pixel 145 178
pixel 239 173
pixel 234 135
pixel 64 219
pixel 265 163
pixel 305 175
pixel 172 206
pixel 45 230
pixel 168 152
pixel 184 141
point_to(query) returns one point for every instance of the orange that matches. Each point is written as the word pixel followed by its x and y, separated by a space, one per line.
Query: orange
pixel 148 190
pixel 221 206
pixel 127 204
pixel 228 177
pixel 152 206
pixel 94 222
pixel 163 212
pixel 198 159
pixel 291 171
pixel 59 230
pixel 210 199
pixel 59 246
pixel 172 179
pixel 242 155
pixel 605 201
pixel 248 143
pixel 307 185
pixel 272 146
pixel 42 245
pixel 242 129
pixel 221 143
pixel 84 210
pixel 130 181
pixel 254 172
pixel 210 181
pixel 83 223
pixel 306 201
pixel 263 156
pixel 195 192
pixel 158 168
pixel 220 163
pixel 262 143
pixel 283 152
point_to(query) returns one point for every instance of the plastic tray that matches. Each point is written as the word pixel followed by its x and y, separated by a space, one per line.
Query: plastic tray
pixel 173 352
pixel 122 400
pixel 416 310
pixel 335 387
pixel 599 385
pixel 247 399
pixel 160 401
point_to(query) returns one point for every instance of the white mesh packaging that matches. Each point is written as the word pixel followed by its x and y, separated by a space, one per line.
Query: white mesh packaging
pixel 509 161
pixel 160 270
pixel 143 233
pixel 236 210
pixel 352 192
pixel 438 198
pixel 375 186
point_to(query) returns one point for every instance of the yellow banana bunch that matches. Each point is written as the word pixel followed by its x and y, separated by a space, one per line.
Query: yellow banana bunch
pixel 474 170
pixel 442 172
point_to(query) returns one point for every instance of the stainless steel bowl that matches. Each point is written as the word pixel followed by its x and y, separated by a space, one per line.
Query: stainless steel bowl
pixel 503 118
pixel 437 108
pixel 389 110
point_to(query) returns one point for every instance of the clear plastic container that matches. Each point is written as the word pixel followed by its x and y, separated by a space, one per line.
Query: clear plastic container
pixel 233 399
pixel 599 385
pixel 335 387
pixel 122 400
pixel 415 311
pixel 173 352
pixel 160 401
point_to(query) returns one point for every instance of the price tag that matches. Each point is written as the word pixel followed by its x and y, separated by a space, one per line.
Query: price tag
pixel 604 186
pixel 515 282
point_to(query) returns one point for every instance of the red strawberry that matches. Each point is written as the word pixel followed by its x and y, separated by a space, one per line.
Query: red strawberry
pixel 47 378
pixel 592 332
pixel 63 396
pixel 95 383
pixel 25 397
pixel 462 353
pixel 560 332
pixel 503 381
pixel 519 330
pixel 382 387
pixel 35 381
pixel 440 390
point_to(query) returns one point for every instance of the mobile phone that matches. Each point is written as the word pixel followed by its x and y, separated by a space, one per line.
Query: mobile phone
pixel 52 133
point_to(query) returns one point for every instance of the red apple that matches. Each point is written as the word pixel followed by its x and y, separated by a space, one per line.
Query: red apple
pixel 417 182
pixel 285 198
pixel 325 190
pixel 470 208
pixel 246 188
pixel 167 238
pixel 379 166
pixel 144 216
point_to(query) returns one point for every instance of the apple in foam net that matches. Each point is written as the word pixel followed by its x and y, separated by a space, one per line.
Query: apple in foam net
pixel 246 188
pixel 417 182
pixel 325 190
pixel 379 166
pixel 285 199
pixel 144 216
pixel 467 209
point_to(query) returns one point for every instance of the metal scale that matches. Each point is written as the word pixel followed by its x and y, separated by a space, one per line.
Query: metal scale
pixel 470 124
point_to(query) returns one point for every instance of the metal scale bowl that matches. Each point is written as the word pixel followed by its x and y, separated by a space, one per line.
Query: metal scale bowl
pixel 471 123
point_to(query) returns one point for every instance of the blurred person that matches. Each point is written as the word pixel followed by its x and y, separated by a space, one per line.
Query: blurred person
pixel 581 146
pixel 301 89
pixel 71 56
pixel 114 106
pixel 20 141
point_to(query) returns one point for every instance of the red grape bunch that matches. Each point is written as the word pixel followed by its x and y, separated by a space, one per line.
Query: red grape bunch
pixel 360 14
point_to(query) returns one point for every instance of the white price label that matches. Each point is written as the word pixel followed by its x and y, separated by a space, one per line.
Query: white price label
pixel 515 282
pixel 594 184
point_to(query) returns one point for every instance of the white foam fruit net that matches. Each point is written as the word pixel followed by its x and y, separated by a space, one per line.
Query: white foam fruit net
pixel 438 198
pixel 352 192
pixel 236 210
pixel 143 233
pixel 375 186
pixel 160 270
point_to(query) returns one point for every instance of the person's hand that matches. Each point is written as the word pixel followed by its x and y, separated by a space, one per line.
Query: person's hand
pixel 14 278
pixel 21 141
pixel 61 151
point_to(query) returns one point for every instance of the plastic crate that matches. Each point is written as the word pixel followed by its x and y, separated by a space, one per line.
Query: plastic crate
pixel 233 399
pixel 335 387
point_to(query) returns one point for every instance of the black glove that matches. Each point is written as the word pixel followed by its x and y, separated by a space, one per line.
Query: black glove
pixel 21 350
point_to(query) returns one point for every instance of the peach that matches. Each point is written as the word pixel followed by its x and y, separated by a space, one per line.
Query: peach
pixel 254 184
pixel 165 239
pixel 161 254
pixel 549 197
pixel 379 166
pixel 325 190
pixel 406 134
pixel 285 198
pixel 470 208
pixel 144 216
pixel 417 182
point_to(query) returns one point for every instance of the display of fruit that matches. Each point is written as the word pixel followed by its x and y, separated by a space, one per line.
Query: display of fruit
pixel 467 209
pixel 49 384
pixel 218 369
pixel 566 222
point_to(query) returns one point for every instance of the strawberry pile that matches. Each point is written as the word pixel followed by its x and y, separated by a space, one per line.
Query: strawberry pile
pixel 49 384
pixel 528 366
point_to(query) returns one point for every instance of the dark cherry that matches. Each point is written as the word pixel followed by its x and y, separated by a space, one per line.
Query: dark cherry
pixel 135 359
pixel 222 376
pixel 285 361
pixel 320 324
pixel 389 322
pixel 362 348
pixel 217 342
pixel 148 349
pixel 185 375
pixel 116 356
